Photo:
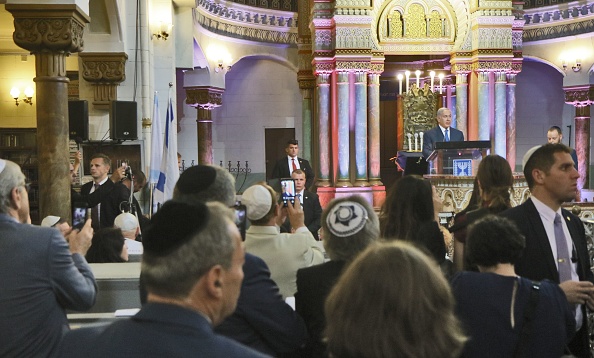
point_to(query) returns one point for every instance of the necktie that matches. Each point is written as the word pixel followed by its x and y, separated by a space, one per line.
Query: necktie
pixel 95 213
pixel 294 165
pixel 298 196
pixel 447 135
pixel 563 260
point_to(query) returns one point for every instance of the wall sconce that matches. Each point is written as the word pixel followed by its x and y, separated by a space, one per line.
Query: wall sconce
pixel 576 68
pixel 15 93
pixel 223 65
pixel 221 57
pixel 162 31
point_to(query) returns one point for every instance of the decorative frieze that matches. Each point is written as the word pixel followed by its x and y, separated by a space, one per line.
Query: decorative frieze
pixel 105 70
pixel 579 96
pixel 553 32
pixel 205 97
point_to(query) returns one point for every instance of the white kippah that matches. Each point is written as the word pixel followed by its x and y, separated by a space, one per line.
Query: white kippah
pixel 346 219
pixel 2 165
pixel 528 154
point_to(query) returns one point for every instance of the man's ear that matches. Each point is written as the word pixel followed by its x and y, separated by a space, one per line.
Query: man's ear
pixel 214 281
pixel 538 175
pixel 15 197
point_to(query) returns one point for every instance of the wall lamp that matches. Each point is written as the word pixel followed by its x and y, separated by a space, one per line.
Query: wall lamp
pixel 220 56
pixel 15 93
pixel 162 30
pixel 576 68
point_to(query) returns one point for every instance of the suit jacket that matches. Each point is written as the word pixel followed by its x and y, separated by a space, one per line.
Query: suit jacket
pixel 39 280
pixel 313 286
pixel 158 330
pixel 283 253
pixel 312 211
pixel 262 319
pixel 281 170
pixel 537 261
pixel 436 135
pixel 110 195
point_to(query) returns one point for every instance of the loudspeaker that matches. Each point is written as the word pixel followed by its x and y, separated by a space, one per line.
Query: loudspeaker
pixel 78 120
pixel 122 120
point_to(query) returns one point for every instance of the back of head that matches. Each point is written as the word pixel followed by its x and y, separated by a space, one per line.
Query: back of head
pixel 260 201
pixel 541 158
pixel 205 183
pixel 10 177
pixel 127 222
pixel 494 240
pixel 496 180
pixel 412 313
pixel 349 224
pixel 408 204
pixel 182 242
pixel 107 246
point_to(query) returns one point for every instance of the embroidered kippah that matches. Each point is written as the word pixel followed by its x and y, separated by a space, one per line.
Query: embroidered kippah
pixel 346 219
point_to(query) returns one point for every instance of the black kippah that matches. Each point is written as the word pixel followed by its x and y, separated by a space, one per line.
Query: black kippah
pixel 173 225
pixel 196 179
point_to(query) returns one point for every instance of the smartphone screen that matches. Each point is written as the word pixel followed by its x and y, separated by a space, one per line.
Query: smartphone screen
pixel 240 219
pixel 288 191
pixel 79 215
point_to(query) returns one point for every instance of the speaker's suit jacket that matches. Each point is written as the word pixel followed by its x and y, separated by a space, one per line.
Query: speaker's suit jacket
pixel 435 135
pixel 312 212
pixel 110 195
pixel 537 261
pixel 39 280
pixel 281 170
pixel 158 330
pixel 313 286
pixel 262 319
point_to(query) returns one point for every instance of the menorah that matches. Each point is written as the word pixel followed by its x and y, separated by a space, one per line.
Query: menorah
pixel 238 170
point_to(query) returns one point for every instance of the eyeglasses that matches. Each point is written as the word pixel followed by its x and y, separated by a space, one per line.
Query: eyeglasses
pixel 27 186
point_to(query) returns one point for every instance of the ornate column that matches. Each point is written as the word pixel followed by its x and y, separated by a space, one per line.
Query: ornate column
pixel 510 121
pixel 342 84
pixel 306 116
pixel 105 70
pixel 500 135
pixel 462 103
pixel 581 97
pixel 361 128
pixel 484 126
pixel 204 99
pixel 373 117
pixel 51 32
pixel 323 83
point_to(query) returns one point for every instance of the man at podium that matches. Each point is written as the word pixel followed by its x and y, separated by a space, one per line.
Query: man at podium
pixel 442 133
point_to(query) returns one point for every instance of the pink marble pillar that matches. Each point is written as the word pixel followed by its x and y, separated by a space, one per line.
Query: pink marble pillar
pixel 511 120
pixel 582 145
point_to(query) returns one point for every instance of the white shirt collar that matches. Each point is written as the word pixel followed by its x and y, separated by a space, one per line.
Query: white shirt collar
pixel 546 212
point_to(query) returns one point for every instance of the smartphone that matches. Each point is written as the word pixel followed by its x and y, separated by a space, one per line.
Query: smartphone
pixel 240 219
pixel 79 215
pixel 288 190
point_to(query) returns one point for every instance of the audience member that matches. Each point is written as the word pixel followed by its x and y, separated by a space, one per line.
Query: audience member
pixel 495 180
pixel 138 181
pixel 283 252
pixel 284 167
pixel 42 275
pixel 57 222
pixel 130 230
pixel 104 195
pixel 555 239
pixel 192 269
pixel 408 214
pixel 262 319
pixel 506 315
pixel 392 301
pixel 108 246
pixel 349 225
pixel 310 203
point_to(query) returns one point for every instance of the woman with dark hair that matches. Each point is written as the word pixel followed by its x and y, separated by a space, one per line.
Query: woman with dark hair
pixel 408 214
pixel 495 180
pixel 411 315
pixel 506 315
pixel 108 245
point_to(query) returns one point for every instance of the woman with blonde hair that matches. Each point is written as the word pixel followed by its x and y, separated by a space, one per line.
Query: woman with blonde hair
pixel 392 301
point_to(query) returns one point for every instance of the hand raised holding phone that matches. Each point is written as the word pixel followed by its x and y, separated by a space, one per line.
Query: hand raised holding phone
pixel 80 241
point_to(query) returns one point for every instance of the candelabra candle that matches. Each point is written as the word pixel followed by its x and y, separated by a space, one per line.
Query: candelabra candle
pixel 407 74
pixel 416 142
pixel 421 136
pixel 399 83
pixel 409 135
pixel 418 74
pixel 432 74
pixel 440 83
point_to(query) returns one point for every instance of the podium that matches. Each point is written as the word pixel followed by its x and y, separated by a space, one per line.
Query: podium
pixel 458 158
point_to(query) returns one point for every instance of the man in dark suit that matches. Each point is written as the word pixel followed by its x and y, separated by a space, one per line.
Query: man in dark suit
pixel 555 136
pixel 442 133
pixel 192 267
pixel 41 274
pixel 555 239
pixel 106 197
pixel 138 181
pixel 284 167
pixel 310 202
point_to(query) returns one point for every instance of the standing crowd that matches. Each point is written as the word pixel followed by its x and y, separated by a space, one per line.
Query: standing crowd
pixel 364 285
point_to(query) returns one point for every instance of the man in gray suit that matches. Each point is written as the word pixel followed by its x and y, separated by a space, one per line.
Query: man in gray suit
pixel 41 275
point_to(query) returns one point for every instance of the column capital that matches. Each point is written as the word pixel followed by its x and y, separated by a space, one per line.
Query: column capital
pixel 579 96
pixel 205 97
pixel 48 27
pixel 105 70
